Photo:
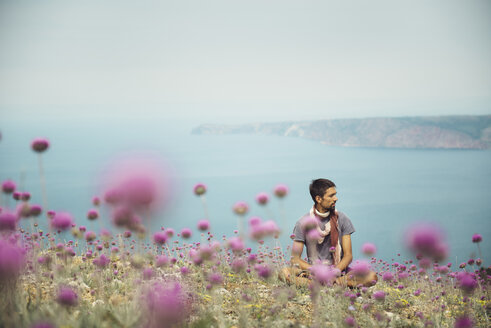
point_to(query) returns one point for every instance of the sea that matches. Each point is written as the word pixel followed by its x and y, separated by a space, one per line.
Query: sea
pixel 383 191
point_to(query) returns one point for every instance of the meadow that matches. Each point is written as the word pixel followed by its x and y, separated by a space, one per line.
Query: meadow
pixel 55 272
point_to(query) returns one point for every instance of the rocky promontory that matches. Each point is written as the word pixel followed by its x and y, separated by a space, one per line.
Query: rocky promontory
pixel 439 132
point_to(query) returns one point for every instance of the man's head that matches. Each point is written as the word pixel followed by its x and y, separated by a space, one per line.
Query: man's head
pixel 323 192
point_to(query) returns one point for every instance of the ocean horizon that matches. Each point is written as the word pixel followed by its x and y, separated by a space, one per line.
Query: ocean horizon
pixel 383 191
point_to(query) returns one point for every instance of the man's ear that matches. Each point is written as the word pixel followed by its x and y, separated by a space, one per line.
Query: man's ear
pixel 318 199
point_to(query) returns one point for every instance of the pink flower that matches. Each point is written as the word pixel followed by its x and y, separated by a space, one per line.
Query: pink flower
pixel 324 274
pixel 241 208
pixel 350 321
pixel 379 295
pixel 255 220
pixel 387 276
pixel 238 265
pixel 215 278
pixel 199 189
pixel 139 183
pixel 162 261
pixel 464 322
pixel 360 268
pixel 263 270
pixel 262 230
pixel 67 296
pixel 281 190
pixel 102 261
pixel 186 233
pixel 262 198
pixel 92 214
pixel 476 238
pixel 368 249
pixel 8 221
pixel 467 282
pixel 96 201
pixel 160 237
pixel 427 240
pixel 203 225
pixel 35 210
pixel 235 244
pixel 12 260
pixel 90 236
pixel 148 274
pixel 39 145
pixel 62 221
pixel 166 305
pixel 8 186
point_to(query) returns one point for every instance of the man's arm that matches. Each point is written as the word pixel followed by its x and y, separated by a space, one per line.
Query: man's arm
pixel 297 250
pixel 347 252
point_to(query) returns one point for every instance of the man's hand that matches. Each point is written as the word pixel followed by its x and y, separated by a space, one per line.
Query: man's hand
pixel 347 252
pixel 297 250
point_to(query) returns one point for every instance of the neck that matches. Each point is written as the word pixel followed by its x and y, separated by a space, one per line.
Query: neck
pixel 320 209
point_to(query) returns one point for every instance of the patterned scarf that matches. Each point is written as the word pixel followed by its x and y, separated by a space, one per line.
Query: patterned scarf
pixel 332 228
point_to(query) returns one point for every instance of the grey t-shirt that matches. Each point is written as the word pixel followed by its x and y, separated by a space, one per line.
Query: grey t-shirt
pixel 345 228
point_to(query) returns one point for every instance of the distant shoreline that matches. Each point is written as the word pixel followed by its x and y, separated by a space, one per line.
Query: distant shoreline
pixel 419 132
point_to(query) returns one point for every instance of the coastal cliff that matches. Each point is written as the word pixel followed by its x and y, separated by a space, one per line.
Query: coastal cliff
pixel 441 132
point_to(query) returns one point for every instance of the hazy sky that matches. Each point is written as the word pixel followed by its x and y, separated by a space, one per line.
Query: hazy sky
pixel 245 60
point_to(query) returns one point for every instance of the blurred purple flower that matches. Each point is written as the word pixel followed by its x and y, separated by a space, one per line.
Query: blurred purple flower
pixel 281 190
pixel 427 240
pixel 186 233
pixel 324 274
pixel 203 225
pixel 368 249
pixel 466 282
pixel 387 276
pixel 40 145
pixel 350 321
pixel 238 265
pixel 162 261
pixel 235 244
pixel 90 236
pixel 101 261
pixel 148 273
pixel 12 259
pixel 463 322
pixel 62 221
pixel 215 278
pixel 476 238
pixel 379 295
pixel 166 305
pixel 263 270
pixel 67 296
pixel 360 268
pixel 262 198
pixel 199 189
pixel 264 229
pixel 8 221
pixel 8 186
pixel 36 210
pixel 240 208
pixel 160 237
pixel 92 214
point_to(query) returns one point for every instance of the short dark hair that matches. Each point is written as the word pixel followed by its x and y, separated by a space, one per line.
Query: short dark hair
pixel 318 187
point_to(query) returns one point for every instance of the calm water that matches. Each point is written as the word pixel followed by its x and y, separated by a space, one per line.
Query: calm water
pixel 383 191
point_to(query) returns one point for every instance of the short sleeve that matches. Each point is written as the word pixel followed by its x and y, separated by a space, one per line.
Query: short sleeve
pixel 299 234
pixel 345 225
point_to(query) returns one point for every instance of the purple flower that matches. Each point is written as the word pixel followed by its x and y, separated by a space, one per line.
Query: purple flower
pixel 324 274
pixel 147 274
pixel 160 237
pixel 92 214
pixel 8 221
pixel 241 208
pixel 379 295
pixel 263 270
pixel 387 276
pixel 186 233
pixel 464 322
pixel 8 186
pixel 203 225
pixel 476 238
pixel 162 261
pixel 350 321
pixel 25 196
pixel 127 234
pixel 281 190
pixel 427 240
pixel 368 249
pixel 467 282
pixel 262 198
pixel 39 145
pixel 67 296
pixel 11 260
pixel 199 189
pixel 215 278
pixel 235 244
pixel 238 265
pixel 264 229
pixel 90 236
pixel 360 268
pixel 62 221
pixel 36 210
pixel 102 261
pixel 96 201
pixel 166 305
pixel 185 270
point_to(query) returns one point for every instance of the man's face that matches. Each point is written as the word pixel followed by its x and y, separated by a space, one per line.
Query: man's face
pixel 328 201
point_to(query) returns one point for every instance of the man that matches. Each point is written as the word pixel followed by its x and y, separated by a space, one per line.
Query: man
pixel 326 233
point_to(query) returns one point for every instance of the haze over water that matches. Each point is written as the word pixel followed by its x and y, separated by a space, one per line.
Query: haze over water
pixel 383 191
